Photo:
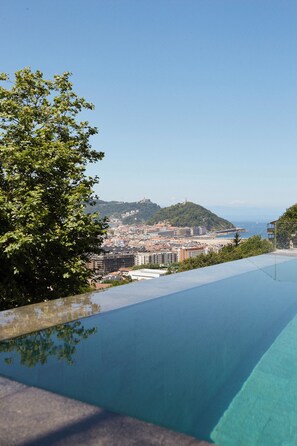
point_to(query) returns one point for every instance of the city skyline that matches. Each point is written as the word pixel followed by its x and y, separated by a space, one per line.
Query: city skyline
pixel 194 99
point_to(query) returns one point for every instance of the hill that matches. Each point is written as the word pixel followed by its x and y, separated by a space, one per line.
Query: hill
pixel 190 214
pixel 129 213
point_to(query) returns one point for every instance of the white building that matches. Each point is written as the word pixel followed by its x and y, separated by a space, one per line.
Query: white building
pixel 146 274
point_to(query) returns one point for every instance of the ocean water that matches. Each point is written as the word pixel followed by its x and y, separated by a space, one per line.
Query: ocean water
pixel 251 227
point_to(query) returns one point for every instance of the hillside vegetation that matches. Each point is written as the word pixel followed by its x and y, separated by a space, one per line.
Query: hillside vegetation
pixel 286 228
pixel 253 246
pixel 129 213
pixel 190 214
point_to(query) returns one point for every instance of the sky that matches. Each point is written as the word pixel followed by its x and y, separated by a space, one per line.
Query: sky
pixel 194 99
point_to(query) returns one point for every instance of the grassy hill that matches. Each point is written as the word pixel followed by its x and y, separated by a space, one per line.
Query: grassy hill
pixel 190 214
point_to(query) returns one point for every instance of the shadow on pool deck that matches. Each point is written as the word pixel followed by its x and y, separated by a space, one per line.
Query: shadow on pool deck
pixel 34 417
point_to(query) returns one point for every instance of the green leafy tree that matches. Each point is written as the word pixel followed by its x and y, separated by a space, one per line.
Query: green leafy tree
pixel 45 232
pixel 286 228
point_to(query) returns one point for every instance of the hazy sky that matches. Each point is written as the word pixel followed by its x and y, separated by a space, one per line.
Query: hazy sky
pixel 194 99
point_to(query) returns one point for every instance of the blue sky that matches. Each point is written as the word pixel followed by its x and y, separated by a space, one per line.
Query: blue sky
pixel 195 99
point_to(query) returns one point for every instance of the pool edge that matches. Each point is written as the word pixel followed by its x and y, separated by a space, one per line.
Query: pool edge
pixel 30 318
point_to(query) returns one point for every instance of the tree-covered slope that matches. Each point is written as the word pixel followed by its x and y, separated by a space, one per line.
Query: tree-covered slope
pixel 190 214
pixel 286 228
pixel 254 246
pixel 129 213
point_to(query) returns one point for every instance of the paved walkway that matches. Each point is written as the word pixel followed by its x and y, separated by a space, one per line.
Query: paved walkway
pixel 34 417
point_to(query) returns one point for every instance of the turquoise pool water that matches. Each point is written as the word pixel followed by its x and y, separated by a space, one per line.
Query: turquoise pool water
pixel 217 361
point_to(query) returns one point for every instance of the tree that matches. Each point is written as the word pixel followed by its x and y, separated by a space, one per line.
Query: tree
pixel 236 239
pixel 45 232
pixel 286 228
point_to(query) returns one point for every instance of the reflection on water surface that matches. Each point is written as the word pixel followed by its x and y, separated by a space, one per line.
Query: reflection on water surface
pixel 59 342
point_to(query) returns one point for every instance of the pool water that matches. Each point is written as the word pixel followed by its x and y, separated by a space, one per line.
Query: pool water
pixel 205 361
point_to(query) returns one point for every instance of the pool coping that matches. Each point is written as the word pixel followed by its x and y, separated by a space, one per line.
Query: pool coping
pixel 23 320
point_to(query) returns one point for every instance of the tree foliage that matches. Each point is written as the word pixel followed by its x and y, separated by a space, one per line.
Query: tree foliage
pixel 237 239
pixel 45 233
pixel 286 228
pixel 112 282
pixel 253 246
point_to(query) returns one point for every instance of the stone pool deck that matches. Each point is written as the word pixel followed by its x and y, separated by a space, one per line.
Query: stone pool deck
pixel 33 417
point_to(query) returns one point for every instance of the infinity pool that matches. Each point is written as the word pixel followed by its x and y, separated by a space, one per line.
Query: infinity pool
pixel 217 361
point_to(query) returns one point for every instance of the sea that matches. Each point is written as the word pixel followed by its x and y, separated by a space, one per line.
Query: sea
pixel 251 227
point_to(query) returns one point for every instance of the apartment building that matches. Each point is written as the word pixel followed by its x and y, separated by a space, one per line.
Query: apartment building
pixel 156 258
pixel 185 253
pixel 107 263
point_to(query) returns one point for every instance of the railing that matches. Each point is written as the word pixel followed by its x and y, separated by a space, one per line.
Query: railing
pixel 283 234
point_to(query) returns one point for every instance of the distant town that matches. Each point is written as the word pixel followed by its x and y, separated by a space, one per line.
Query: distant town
pixel 156 246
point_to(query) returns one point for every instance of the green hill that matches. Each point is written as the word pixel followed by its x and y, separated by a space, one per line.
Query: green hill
pixel 190 214
pixel 128 213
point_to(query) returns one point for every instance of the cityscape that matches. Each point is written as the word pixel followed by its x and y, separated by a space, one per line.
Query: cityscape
pixel 134 245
